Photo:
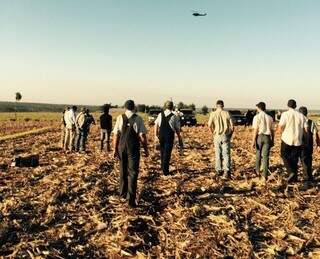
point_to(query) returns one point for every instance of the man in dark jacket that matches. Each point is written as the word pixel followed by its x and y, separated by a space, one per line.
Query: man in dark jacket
pixel 106 126
pixel 129 132
pixel 167 125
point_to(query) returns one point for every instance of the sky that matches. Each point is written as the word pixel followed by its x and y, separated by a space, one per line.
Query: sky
pixel 93 52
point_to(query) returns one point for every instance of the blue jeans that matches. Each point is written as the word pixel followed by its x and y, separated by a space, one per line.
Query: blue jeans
pixel 222 153
pixel 81 140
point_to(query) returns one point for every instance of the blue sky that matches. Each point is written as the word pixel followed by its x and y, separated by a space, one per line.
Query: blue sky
pixel 91 52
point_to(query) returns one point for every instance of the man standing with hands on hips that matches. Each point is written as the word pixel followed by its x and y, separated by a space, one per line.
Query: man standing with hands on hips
pixel 129 132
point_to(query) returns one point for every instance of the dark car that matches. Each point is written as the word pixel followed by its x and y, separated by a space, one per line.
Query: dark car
pixel 188 117
pixel 152 115
pixel 237 117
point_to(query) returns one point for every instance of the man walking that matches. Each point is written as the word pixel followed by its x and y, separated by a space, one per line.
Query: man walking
pixel 263 138
pixel 129 132
pixel 308 142
pixel 106 127
pixel 292 125
pixel 83 122
pixel 221 126
pixel 167 125
pixel 70 120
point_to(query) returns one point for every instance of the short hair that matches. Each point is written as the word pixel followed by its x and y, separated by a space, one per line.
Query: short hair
pixel 105 108
pixel 261 106
pixel 129 105
pixel 292 104
pixel 168 105
pixel 220 103
pixel 303 110
pixel 84 109
pixel 74 108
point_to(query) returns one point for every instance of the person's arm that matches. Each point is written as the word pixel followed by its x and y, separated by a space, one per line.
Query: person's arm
pixel 282 123
pixel 144 142
pixel 115 145
pixel 211 124
pixel 156 128
pixel 116 140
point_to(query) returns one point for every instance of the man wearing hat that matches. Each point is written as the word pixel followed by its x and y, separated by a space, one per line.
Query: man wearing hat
pixel 129 132
pixel 167 125
pixel 308 143
pixel 292 125
pixel 221 126
pixel 263 138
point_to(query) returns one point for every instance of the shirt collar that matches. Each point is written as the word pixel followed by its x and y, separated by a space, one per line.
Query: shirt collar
pixel 129 113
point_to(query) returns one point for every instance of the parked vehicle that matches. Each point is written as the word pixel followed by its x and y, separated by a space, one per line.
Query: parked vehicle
pixel 152 115
pixel 188 117
pixel 237 117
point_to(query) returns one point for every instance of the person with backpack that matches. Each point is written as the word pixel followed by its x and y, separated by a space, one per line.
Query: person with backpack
pixel 83 122
pixel 308 143
pixel 106 127
pixel 167 125
pixel 129 132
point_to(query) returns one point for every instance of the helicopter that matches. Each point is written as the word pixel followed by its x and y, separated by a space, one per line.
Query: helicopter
pixel 196 13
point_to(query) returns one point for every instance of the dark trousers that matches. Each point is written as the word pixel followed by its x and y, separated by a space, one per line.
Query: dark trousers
pixel 263 147
pixel 129 170
pixel 290 156
pixel 81 139
pixel 306 161
pixel 105 134
pixel 166 147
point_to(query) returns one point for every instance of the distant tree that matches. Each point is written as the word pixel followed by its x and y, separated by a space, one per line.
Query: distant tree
pixel 204 110
pixel 141 108
pixel 180 105
pixel 18 97
pixel 192 106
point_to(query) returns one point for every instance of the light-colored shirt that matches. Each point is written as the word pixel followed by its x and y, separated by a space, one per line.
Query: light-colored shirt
pixel 174 121
pixel 138 125
pixel 220 121
pixel 263 123
pixel 294 124
pixel 70 119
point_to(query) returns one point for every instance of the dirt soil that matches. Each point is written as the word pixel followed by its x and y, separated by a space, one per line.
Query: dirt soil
pixel 69 205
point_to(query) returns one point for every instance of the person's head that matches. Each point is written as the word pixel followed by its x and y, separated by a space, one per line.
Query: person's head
pixel 83 109
pixel 67 108
pixel 87 111
pixel 74 108
pixel 220 104
pixel 304 110
pixel 168 105
pixel 106 108
pixel 292 104
pixel 129 105
pixel 261 106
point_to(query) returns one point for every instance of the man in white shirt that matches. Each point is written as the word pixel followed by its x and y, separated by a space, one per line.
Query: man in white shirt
pixel 70 121
pixel 292 126
pixel 129 132
pixel 167 125
pixel 308 143
pixel 263 138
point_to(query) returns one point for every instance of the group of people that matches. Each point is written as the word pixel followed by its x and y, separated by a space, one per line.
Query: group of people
pixel 75 128
pixel 297 139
